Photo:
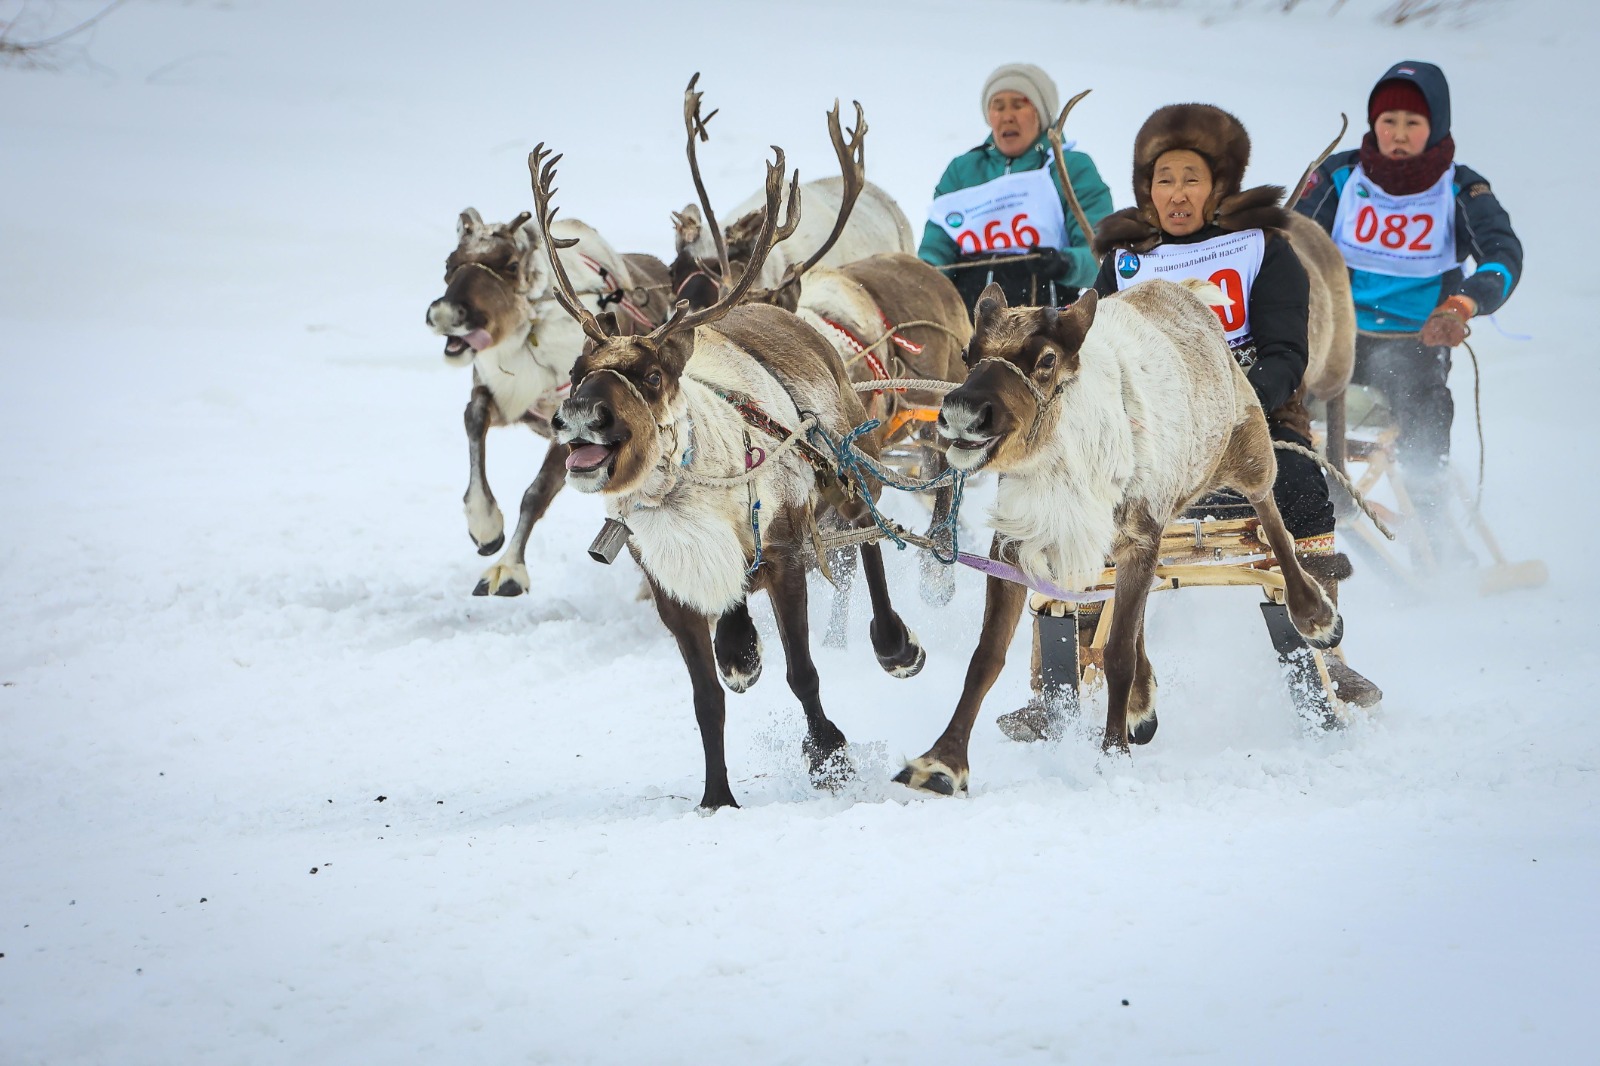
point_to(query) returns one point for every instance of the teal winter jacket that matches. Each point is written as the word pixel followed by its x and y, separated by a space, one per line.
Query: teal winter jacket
pixel 985 163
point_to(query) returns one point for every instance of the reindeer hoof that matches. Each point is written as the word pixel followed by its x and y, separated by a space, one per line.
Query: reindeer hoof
pixel 930 775
pixel 833 772
pixel 502 580
pixel 1144 730
pixel 1328 639
pixel 493 546
pixel 908 660
pixel 741 676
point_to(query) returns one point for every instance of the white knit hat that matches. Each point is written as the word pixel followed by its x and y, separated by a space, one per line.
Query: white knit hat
pixel 1030 81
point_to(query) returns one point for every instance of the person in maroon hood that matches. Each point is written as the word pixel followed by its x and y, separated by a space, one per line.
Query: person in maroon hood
pixel 1407 216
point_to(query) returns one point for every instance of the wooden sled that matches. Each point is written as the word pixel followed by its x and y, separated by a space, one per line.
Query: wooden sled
pixel 1371 450
pixel 1195 551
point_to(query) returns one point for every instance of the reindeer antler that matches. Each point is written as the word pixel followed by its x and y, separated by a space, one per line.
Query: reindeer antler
pixel 1300 186
pixel 1061 169
pixel 543 173
pixel 853 169
pixel 695 124
pixel 771 233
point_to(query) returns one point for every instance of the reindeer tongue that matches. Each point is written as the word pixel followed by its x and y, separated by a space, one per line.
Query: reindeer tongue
pixel 479 339
pixel 587 456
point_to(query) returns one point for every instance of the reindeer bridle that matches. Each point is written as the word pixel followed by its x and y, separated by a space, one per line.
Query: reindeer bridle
pixel 1043 401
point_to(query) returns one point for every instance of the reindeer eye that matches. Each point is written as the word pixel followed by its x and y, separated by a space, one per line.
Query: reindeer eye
pixel 653 379
pixel 1047 361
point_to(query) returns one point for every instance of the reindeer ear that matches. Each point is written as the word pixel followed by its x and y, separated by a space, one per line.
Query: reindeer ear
pixel 608 322
pixel 469 222
pixel 675 351
pixel 991 301
pixel 1071 326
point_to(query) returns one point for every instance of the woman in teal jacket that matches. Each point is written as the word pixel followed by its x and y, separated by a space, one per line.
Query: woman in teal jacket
pixel 1001 200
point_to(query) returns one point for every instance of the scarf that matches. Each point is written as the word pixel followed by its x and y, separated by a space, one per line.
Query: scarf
pixel 1406 177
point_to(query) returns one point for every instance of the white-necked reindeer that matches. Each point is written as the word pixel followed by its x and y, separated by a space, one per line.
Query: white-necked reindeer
pixel 651 418
pixel 1104 420
pixel 498 315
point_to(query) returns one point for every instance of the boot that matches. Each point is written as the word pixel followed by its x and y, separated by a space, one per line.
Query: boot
pixel 1348 685
pixel 1055 683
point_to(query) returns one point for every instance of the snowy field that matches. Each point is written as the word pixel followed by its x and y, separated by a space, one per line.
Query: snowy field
pixel 277 789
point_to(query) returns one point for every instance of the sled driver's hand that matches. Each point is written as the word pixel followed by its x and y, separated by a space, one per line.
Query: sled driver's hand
pixel 1051 263
pixel 1448 323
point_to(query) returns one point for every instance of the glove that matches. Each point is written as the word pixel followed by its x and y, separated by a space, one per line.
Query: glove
pixel 1448 323
pixel 1051 263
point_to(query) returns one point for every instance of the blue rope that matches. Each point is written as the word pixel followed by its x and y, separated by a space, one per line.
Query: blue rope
pixel 855 463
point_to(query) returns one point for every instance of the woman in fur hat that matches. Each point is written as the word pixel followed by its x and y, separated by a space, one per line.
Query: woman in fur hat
pixel 1406 215
pixel 1001 200
pixel 1192 220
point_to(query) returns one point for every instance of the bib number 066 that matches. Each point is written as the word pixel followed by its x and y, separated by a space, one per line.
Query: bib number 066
pixel 995 237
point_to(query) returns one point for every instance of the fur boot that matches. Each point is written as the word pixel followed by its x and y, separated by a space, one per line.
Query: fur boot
pixel 1348 685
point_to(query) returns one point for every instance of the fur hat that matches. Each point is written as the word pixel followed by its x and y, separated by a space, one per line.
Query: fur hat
pixel 1030 81
pixel 1220 139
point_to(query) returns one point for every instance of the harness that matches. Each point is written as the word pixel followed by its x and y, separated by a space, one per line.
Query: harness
pixel 613 294
pixel 858 346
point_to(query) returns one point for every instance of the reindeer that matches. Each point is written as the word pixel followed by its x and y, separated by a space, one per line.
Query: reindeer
pixel 498 315
pixel 710 259
pixel 654 422
pixel 1104 421
pixel 858 308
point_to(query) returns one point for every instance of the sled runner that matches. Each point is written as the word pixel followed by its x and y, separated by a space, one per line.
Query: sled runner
pixel 1214 546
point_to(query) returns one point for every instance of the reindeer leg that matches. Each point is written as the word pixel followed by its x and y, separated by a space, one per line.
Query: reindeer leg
pixel 1250 467
pixel 1130 683
pixel 1312 612
pixel 484 523
pixel 944 768
pixel 898 650
pixel 824 745
pixel 690 629
pixel 938 581
pixel 738 648
pixel 509 575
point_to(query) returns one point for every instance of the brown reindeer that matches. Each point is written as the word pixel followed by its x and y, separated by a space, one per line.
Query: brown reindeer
pixel 689 432
pixel 859 308
pixel 498 315
pixel 1104 421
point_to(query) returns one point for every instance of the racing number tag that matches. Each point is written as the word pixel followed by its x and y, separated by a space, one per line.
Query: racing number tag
pixel 996 238
pixel 1394 231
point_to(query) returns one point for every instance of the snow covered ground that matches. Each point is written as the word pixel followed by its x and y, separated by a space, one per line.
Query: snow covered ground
pixel 276 788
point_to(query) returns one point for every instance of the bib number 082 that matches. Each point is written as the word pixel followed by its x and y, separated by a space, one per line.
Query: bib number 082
pixel 1394 231
pixel 995 238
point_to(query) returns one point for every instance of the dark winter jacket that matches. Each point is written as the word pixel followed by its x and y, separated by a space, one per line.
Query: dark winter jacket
pixel 1280 306
pixel 985 163
pixel 1388 304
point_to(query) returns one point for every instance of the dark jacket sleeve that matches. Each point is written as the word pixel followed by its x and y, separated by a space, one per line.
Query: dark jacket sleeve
pixel 1489 240
pixel 1320 203
pixel 1105 282
pixel 1280 306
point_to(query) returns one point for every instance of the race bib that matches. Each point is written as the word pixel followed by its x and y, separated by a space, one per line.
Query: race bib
pixel 1401 236
pixel 1230 262
pixel 1011 213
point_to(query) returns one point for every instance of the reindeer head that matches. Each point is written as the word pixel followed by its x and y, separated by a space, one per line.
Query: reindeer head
pixel 617 421
pixel 491 281
pixel 694 272
pixel 1019 362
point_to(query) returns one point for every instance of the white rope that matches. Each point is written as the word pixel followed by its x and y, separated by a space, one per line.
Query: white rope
pixel 921 384
pixel 1366 508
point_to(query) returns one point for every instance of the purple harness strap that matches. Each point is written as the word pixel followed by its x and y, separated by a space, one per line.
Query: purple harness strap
pixel 1007 572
